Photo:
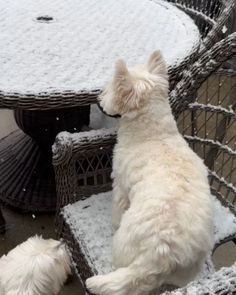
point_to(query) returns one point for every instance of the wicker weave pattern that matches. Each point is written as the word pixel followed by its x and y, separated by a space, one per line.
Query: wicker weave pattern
pixel 211 16
pixel 206 65
pixel 2 222
pixel 82 168
pixel 221 282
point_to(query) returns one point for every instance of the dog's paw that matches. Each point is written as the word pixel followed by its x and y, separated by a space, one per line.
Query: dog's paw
pixel 94 285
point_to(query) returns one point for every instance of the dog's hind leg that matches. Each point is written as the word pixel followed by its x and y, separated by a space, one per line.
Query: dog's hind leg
pixel 135 279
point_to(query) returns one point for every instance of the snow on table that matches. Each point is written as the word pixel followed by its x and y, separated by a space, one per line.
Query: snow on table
pixel 59 45
pixel 90 222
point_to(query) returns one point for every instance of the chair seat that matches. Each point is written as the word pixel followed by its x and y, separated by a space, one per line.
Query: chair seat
pixel 90 222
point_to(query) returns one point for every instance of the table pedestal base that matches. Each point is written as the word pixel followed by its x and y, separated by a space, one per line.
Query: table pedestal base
pixel 27 177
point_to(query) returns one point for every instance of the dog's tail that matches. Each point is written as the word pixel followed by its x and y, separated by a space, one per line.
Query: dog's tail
pixel 125 281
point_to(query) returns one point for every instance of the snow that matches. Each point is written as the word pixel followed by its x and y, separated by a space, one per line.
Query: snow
pixel 210 141
pixel 65 138
pixel 76 50
pixel 104 127
pixel 200 14
pixel 222 180
pixel 221 282
pixel 218 108
pixel 84 137
pixel 224 221
pixel 90 222
pixel 224 29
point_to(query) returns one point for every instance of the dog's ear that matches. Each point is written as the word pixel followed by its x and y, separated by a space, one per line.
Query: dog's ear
pixel 125 94
pixel 131 92
pixel 123 79
pixel 156 64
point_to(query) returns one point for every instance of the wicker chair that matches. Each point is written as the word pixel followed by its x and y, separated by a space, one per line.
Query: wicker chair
pixel 213 18
pixel 207 121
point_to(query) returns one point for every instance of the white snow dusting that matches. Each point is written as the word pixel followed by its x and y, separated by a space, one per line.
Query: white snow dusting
pixel 77 48
pixel 90 222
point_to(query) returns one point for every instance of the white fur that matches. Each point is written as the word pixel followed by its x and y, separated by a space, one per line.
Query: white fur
pixel 35 267
pixel 162 207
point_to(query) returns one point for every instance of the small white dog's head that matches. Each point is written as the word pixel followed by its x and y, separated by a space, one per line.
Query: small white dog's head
pixel 129 91
pixel 36 266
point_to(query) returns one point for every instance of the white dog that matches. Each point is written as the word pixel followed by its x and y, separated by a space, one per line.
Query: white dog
pixel 162 205
pixel 35 267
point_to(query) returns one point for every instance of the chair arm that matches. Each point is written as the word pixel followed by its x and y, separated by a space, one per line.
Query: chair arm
pixel 82 164
pixel 217 30
pixel 185 91
pixel 221 282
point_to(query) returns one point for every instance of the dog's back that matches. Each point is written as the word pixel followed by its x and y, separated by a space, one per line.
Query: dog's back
pixel 162 203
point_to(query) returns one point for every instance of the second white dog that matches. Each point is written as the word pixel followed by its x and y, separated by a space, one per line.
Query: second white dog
pixel 35 267
pixel 162 204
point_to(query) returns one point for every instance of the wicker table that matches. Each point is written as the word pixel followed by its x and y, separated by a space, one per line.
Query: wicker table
pixel 54 58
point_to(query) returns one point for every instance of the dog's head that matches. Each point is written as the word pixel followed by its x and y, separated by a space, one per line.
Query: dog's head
pixel 37 266
pixel 52 257
pixel 131 90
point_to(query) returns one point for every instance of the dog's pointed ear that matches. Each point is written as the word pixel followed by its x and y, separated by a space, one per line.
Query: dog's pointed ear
pixel 130 93
pixel 121 69
pixel 122 76
pixel 127 97
pixel 156 64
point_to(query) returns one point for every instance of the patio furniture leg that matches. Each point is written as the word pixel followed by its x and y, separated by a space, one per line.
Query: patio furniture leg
pixel 27 177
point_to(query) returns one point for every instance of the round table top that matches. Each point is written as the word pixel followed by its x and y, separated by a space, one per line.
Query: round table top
pixel 56 46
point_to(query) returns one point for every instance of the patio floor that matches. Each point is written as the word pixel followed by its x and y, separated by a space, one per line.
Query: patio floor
pixel 22 226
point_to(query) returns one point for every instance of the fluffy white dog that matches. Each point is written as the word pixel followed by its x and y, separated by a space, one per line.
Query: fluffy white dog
pixel 162 207
pixel 35 267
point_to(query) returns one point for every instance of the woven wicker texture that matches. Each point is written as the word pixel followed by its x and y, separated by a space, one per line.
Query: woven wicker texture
pixel 75 52
pixel 27 160
pixel 27 180
pixel 63 51
pixel 213 18
pixel 204 105
pixel 82 167
pixel 222 282
pixel 2 222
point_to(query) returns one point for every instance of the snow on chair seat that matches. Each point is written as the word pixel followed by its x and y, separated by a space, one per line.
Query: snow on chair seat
pixel 90 223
